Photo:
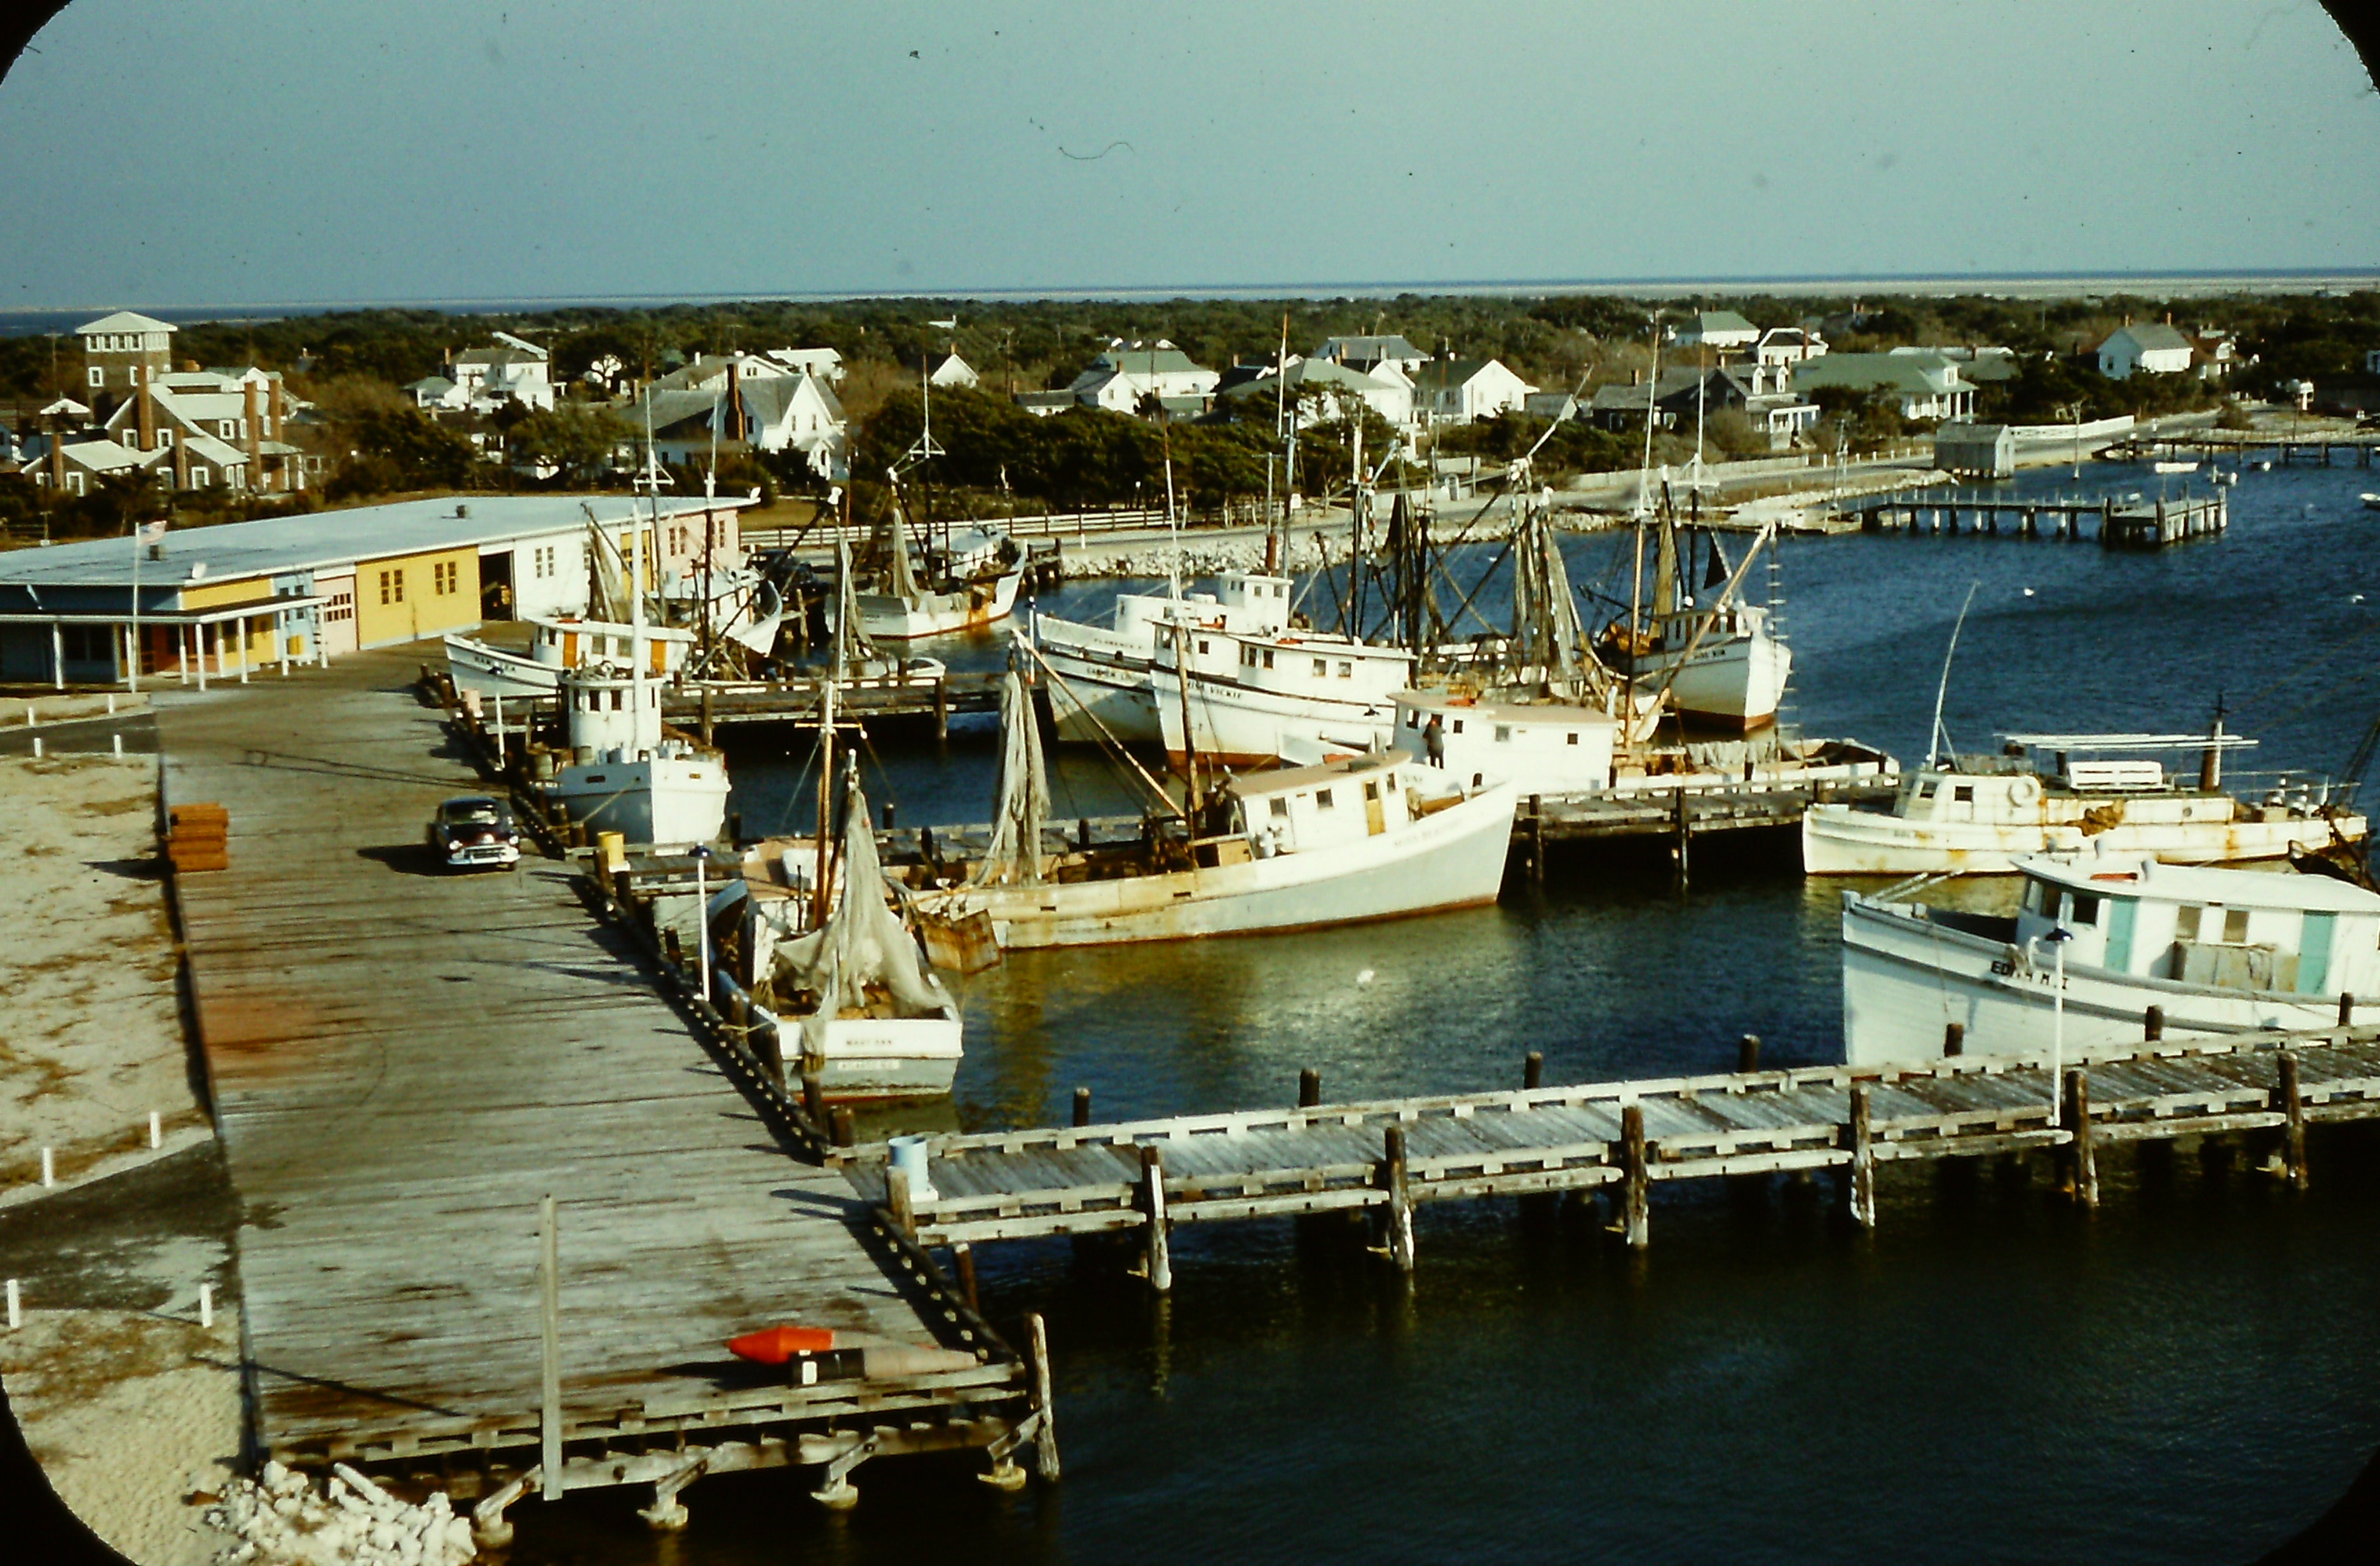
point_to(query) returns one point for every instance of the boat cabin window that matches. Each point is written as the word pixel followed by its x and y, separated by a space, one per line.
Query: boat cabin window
pixel 2235 926
pixel 1322 799
pixel 2186 921
pixel 1202 645
pixel 2039 898
pixel 1458 725
pixel 2085 909
pixel 1371 791
pixel 1346 669
pixel 1280 808
pixel 1267 658
pixel 1964 793
pixel 1573 737
pixel 1322 668
pixel 1503 734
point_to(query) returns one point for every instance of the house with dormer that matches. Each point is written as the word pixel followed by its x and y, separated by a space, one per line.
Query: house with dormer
pixel 213 429
pixel 513 371
pixel 1120 377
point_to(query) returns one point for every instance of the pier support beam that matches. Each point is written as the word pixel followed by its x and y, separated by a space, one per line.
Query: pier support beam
pixel 667 1512
pixel 1863 1180
pixel 1637 1223
pixel 836 1492
pixel 1152 1202
pixel 490 1529
pixel 2291 1104
pixel 1045 1434
pixel 1398 1238
pixel 2082 1153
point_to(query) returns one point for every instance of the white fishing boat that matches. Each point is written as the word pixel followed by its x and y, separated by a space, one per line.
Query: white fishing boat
pixel 2166 466
pixel 1721 661
pixel 2371 501
pixel 557 646
pixel 872 1019
pixel 2064 793
pixel 974 584
pixel 2096 941
pixel 1100 690
pixel 1369 837
pixel 1252 699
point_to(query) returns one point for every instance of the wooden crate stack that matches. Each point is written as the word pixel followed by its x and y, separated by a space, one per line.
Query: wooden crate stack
pixel 196 838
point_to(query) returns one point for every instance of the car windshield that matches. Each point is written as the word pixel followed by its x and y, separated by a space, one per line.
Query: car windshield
pixel 471 813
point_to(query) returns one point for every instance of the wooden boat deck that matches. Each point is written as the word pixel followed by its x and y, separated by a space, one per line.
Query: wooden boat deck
pixel 404 1062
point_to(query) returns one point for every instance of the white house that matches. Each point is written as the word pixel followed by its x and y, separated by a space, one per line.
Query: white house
pixel 514 370
pixel 746 399
pixel 1461 391
pixel 1721 329
pixel 1319 390
pixel 1368 354
pixel 946 370
pixel 2153 349
pixel 825 363
pixel 1126 373
pixel 1787 346
pixel 1922 385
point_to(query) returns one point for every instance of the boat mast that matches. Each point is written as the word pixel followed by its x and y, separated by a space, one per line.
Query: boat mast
pixel 826 735
pixel 1189 738
pixel 1935 742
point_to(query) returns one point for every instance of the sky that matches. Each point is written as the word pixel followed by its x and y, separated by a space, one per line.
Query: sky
pixel 251 152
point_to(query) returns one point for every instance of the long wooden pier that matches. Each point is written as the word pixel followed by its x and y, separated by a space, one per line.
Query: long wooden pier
pixel 1384 1158
pixel 405 1065
pixel 2319 449
pixel 2116 524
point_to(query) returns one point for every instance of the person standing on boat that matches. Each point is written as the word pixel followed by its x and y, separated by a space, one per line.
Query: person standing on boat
pixel 1433 741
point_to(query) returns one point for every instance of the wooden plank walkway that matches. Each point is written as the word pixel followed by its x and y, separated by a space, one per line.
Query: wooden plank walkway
pixel 1389 1155
pixel 404 1062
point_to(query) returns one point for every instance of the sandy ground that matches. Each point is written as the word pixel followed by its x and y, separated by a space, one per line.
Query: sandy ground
pixel 135 1416
pixel 90 1038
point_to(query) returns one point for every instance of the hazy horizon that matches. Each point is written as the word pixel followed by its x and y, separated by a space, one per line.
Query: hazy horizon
pixel 451 156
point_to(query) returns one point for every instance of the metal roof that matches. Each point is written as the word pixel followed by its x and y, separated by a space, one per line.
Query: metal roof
pixel 124 320
pixel 318 540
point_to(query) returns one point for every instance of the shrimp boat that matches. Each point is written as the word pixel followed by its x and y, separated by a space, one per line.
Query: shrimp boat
pixel 2095 943
pixel 1722 663
pixel 2063 793
pixel 558 646
pixel 1100 688
pixel 971 583
pixel 1366 837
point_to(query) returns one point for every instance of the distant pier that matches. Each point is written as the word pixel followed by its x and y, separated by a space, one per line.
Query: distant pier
pixel 2116 524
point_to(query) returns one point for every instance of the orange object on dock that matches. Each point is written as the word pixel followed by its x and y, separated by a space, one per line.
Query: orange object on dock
pixel 774 1345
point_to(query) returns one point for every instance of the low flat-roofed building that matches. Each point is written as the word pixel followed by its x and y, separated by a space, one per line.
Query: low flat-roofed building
pixel 214 602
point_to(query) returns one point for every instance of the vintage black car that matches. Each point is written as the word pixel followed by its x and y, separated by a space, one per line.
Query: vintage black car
pixel 474 832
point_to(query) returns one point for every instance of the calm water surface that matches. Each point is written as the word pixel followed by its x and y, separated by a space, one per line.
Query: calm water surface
pixel 2189 1375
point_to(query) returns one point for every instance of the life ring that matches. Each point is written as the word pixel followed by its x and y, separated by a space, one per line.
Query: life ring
pixel 2024 790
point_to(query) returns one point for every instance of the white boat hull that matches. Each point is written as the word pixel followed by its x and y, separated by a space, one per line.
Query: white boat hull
pixel 1453 858
pixel 1241 726
pixel 1735 681
pixel 886 618
pixel 661 800
pixel 1906 979
pixel 1097 689
pixel 887 1057
pixel 1838 840
pixel 473 665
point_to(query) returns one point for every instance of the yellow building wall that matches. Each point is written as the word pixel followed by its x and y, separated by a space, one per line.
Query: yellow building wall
pixel 230 591
pixel 404 598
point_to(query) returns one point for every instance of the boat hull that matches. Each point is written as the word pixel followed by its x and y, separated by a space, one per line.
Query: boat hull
pixel 888 1057
pixel 1735 683
pixel 1837 840
pixel 1906 979
pixel 1241 726
pixel 662 800
pixel 885 618
pixel 473 665
pixel 1098 689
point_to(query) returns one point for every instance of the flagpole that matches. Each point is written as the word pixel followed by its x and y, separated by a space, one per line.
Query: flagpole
pixel 132 672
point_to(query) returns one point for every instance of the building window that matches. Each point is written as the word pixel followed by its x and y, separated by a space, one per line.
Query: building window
pixel 1322 800
pixel 442 577
pixel 1573 738
pixel 1346 670
pixel 98 376
pixel 391 585
pixel 341 607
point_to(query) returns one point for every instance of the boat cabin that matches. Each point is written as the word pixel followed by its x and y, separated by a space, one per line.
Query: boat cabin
pixel 1538 748
pixel 1299 809
pixel 1258 605
pixel 2232 929
pixel 1310 664
pixel 587 644
pixel 2078 774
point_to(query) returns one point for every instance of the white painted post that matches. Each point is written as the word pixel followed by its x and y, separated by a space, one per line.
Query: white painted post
pixel 550 1324
pixel 119 741
pixel 49 1167
pixel 37 747
pixel 16 1307
pixel 29 712
pixel 157 1129
pixel 241 629
pixel 206 1305
pixel 111 704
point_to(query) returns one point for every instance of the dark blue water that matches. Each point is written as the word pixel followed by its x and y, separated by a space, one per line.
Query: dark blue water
pixel 2189 1375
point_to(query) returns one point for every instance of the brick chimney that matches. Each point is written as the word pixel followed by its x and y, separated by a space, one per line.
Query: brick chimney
pixel 57 456
pixel 181 462
pixel 255 424
pixel 148 379
pixel 734 401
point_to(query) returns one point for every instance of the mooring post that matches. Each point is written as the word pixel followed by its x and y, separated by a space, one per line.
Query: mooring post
pixel 841 1131
pixel 1045 1434
pixel 550 1327
pixel 706 715
pixel 1747 1053
pixel 1681 808
pixel 1392 1180
pixel 2291 1104
pixel 1954 1039
pixel 1082 834
pixel 1081 1106
pixel 1536 840
pixel 2081 1153
pixel 2153 1024
pixel 813 1098
pixel 1152 1201
pixel 1533 1070
pixel 2346 1009
pixel 941 709
pixel 962 1257
pixel 1638 1226
pixel 897 1199
pixel 769 1046
pixel 1863 1189
pixel 1309 1088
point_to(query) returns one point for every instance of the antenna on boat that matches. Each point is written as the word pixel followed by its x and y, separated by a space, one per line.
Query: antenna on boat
pixel 1934 741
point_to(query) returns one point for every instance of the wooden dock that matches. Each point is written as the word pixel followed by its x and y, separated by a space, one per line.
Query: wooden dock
pixel 2116 524
pixel 704 706
pixel 1384 1158
pixel 404 1063
pixel 2318 449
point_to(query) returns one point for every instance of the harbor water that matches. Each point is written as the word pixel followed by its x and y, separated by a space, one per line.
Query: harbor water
pixel 2190 1374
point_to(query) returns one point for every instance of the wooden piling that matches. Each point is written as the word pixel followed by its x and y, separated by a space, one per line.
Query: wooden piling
pixel 1392 1180
pixel 1954 1039
pixel 1152 1200
pixel 896 1200
pixel 549 1286
pixel 2082 1156
pixel 1637 1224
pixel 1045 1434
pixel 941 709
pixel 1747 1053
pixel 706 715
pixel 1309 1088
pixel 2346 1009
pixel 1532 1069
pixel 2153 1024
pixel 1081 1106
pixel 1679 804
pixel 813 1098
pixel 2291 1104
pixel 1863 1184
pixel 1536 840
pixel 962 1257
pixel 843 1129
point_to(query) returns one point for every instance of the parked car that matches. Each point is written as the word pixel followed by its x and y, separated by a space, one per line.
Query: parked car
pixel 473 832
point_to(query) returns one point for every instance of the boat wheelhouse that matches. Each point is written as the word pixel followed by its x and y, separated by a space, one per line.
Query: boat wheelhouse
pixel 1100 690
pixel 1294 694
pixel 2216 951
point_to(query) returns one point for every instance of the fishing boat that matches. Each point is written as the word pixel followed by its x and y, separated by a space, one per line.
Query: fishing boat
pixel 873 1019
pixel 2095 943
pixel 1722 663
pixel 2163 465
pixel 2064 793
pixel 1100 687
pixel 1251 698
pixel 557 646
pixel 969 584
pixel 1370 836
pixel 2371 501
